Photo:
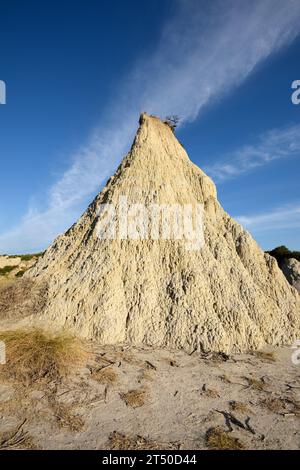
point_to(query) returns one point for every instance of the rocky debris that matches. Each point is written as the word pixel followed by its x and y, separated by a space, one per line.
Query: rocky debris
pixel 291 269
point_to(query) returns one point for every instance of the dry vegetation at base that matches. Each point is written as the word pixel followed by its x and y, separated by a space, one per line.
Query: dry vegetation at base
pixel 66 418
pixel 134 398
pixel 36 358
pixel 238 407
pixel 276 405
pixel 106 375
pixel 33 355
pixel 77 411
pixel 218 439
pixel 7 269
pixel 282 406
pixel 118 441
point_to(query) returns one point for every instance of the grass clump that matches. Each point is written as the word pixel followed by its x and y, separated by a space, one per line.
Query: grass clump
pixel 238 406
pixel 105 376
pixel 275 405
pixel 35 354
pixel 66 418
pixel 256 384
pixel 134 398
pixel 218 439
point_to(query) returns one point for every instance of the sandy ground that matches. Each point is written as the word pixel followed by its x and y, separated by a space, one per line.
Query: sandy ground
pixel 138 398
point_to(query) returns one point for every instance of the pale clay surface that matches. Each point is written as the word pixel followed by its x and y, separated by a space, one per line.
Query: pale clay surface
pixel 184 397
pixel 6 261
pixel 228 296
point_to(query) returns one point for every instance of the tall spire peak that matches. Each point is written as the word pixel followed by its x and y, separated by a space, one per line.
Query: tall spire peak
pixel 226 296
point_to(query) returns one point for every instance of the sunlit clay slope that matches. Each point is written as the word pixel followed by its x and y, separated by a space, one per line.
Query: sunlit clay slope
pixel 227 295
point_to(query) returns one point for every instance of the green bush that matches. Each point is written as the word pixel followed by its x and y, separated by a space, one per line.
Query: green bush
pixel 281 253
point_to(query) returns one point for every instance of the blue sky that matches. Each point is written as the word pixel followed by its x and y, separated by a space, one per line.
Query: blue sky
pixel 79 73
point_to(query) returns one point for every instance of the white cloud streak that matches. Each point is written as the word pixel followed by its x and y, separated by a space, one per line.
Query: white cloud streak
pixel 273 145
pixel 205 50
pixel 287 217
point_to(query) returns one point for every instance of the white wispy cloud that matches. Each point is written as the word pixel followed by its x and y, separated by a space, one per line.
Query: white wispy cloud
pixel 287 217
pixel 205 50
pixel 273 145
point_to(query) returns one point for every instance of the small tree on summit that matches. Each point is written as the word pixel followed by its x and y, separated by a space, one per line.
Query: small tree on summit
pixel 172 121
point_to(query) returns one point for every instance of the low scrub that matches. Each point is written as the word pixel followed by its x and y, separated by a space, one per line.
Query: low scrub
pixel 282 252
pixel 7 270
pixel 134 398
pixel 218 439
pixel 21 273
pixel 26 257
pixel 33 355
pixel 106 375
pixel 30 257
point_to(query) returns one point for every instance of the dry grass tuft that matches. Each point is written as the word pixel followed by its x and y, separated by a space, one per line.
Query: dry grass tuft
pixel 134 398
pixel 33 355
pixel 218 439
pixel 66 418
pixel 119 441
pixel 276 405
pixel 256 384
pixel 105 376
pixel 238 406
